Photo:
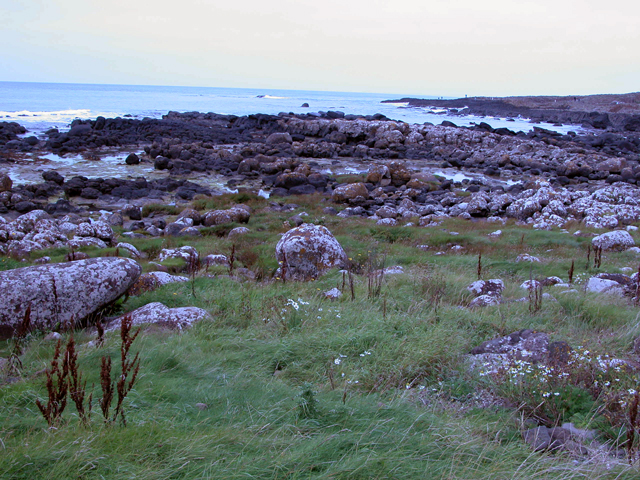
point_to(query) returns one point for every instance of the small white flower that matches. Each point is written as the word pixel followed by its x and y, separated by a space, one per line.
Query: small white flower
pixel 337 361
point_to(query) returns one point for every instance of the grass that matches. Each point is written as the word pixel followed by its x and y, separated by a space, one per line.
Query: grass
pixel 286 384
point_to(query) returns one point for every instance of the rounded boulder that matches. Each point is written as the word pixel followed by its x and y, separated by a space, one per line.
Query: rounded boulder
pixel 306 252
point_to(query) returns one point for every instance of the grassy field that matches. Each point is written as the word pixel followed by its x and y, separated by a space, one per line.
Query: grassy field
pixel 284 383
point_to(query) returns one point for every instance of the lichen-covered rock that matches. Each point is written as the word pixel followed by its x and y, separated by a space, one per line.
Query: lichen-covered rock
pixel 484 301
pixel 159 314
pixel 148 282
pixel 135 253
pixel 603 285
pixel 378 174
pixel 306 252
pixel 237 214
pixel 212 259
pixel 238 231
pixel 350 192
pixel 63 292
pixel 616 240
pixel 523 345
pixel 487 287
pixel 186 253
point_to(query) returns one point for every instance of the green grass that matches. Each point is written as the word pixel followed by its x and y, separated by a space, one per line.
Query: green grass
pixel 374 387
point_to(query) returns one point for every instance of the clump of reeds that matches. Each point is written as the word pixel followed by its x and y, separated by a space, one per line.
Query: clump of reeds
pixel 63 380
pixel 14 364
pixel 571 269
pixel 128 375
pixel 375 275
pixel 77 388
pixel 597 257
pixel 57 388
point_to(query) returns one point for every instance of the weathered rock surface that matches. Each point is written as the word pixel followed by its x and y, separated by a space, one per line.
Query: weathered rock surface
pixel 159 314
pixel 616 240
pixel 63 292
pixel 306 252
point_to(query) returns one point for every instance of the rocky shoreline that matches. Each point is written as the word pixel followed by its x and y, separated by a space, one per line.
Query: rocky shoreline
pixel 387 170
pixel 619 113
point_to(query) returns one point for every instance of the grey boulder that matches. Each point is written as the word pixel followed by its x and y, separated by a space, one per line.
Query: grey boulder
pixel 62 292
pixel 308 251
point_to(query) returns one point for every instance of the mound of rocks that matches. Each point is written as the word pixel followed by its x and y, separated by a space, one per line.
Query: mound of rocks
pixel 37 230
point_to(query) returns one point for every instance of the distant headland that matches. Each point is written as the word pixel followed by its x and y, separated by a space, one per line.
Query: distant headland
pixel 620 112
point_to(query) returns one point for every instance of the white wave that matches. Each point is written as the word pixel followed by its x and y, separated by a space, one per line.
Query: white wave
pixel 57 115
pixel 272 97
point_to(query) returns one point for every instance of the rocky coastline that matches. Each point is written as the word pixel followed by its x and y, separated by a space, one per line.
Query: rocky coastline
pixel 389 171
pixel 619 113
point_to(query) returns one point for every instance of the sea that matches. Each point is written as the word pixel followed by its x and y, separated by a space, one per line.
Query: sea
pixel 42 106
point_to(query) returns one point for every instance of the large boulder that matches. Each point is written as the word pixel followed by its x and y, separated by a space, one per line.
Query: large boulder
pixel 63 292
pixel 306 252
pixel 350 192
pixel 616 240
pixel 237 214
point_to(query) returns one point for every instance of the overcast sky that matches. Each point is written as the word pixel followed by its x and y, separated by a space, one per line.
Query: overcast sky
pixel 428 47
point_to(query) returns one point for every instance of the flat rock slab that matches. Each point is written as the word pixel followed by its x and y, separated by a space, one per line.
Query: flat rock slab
pixel 157 313
pixel 62 292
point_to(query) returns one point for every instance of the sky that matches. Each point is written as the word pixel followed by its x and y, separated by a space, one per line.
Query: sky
pixel 408 47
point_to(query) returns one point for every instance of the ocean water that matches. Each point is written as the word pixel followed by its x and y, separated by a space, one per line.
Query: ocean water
pixel 41 106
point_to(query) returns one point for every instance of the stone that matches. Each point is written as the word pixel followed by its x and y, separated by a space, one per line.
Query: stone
pixel 332 294
pixel 538 438
pixel 522 345
pixel 135 253
pixel 148 282
pixel 484 301
pixel 132 159
pixel 279 137
pixel 236 214
pixel 525 257
pixel 530 285
pixel 159 314
pixel 602 285
pixel 5 182
pixel 211 260
pixel 306 252
pixel 52 337
pixel 238 231
pixel 487 287
pixel 63 292
pixel 186 253
pixel 350 192
pixel 616 240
